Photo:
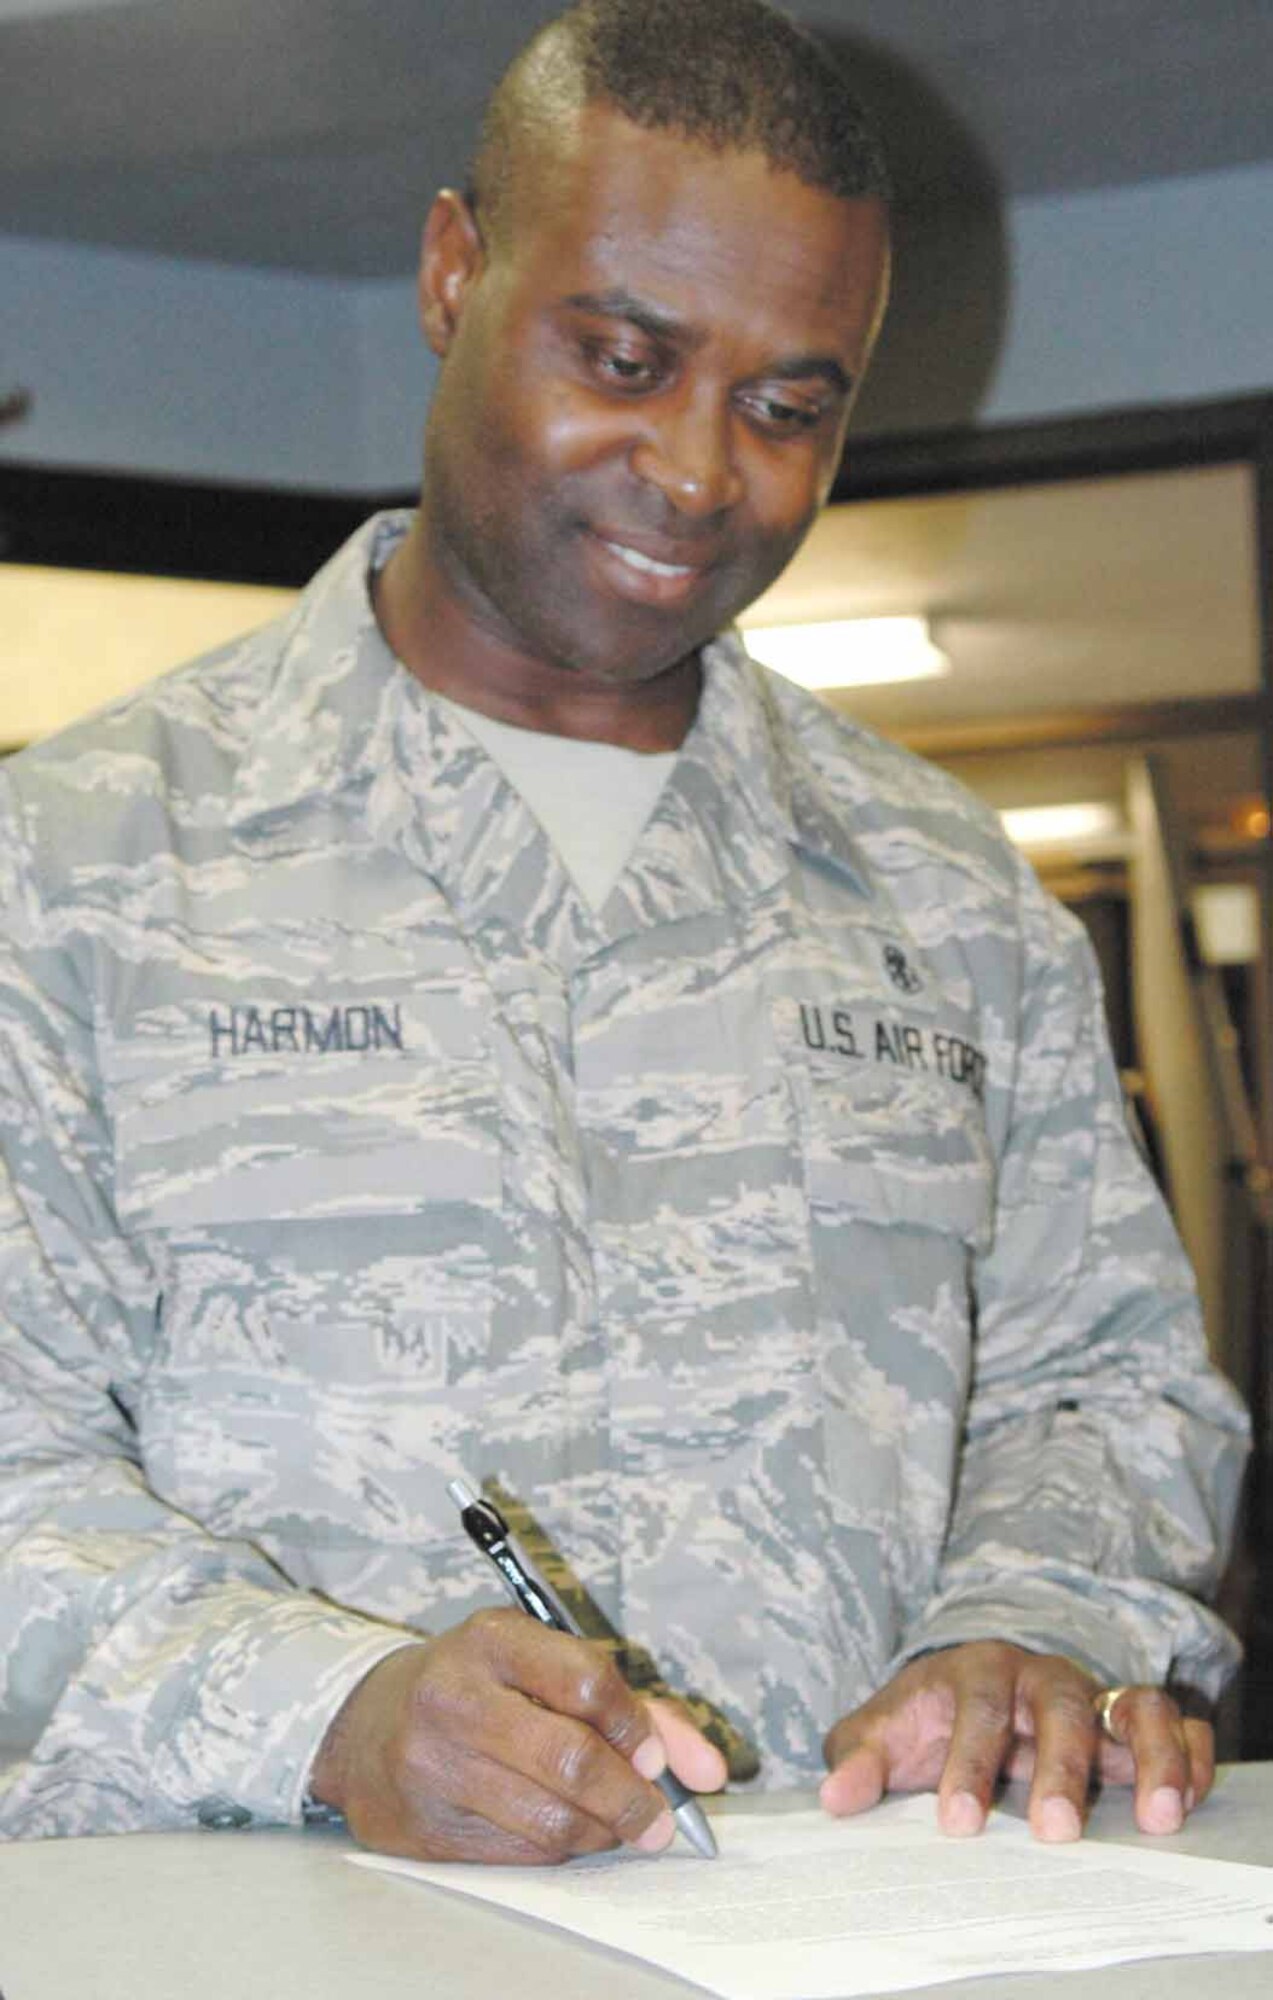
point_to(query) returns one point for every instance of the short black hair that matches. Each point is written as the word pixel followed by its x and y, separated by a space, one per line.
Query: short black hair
pixel 731 75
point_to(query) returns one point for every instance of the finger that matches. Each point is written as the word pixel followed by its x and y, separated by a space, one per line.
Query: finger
pixel 554 1821
pixel 1200 1741
pixel 604 1701
pixel 572 1762
pixel 1148 1723
pixel 898 1739
pixel 540 1778
pixel 1065 1729
pixel 559 1775
pixel 949 1721
pixel 980 1740
pixel 858 1781
pixel 1114 1761
pixel 567 1675
pixel 1118 1767
pixel 554 1714
pixel 696 1762
pixel 493 1814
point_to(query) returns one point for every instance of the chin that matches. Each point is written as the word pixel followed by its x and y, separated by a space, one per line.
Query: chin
pixel 624 665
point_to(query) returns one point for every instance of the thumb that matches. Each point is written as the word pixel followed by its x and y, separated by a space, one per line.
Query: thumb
pixel 696 1762
pixel 859 1773
pixel 873 1748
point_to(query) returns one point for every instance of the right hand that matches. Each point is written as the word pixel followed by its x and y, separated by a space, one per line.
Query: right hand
pixel 504 1741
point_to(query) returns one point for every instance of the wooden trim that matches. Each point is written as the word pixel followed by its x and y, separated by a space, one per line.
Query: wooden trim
pixel 137 525
pixel 1104 443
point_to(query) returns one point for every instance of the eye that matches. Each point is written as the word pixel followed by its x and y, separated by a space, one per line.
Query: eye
pixel 620 368
pixel 782 415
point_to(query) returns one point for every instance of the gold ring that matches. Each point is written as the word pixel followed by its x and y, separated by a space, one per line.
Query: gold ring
pixel 1103 1704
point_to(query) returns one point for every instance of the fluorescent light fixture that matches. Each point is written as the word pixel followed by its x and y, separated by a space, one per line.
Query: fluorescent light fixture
pixel 848 652
pixel 1047 826
pixel 1227 915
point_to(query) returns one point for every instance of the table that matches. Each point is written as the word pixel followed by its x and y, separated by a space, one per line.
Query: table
pixel 252 1916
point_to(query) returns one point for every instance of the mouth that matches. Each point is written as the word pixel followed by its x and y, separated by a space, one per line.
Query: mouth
pixel 647 564
pixel 645 578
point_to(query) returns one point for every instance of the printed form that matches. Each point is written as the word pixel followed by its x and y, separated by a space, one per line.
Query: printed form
pixel 803 1907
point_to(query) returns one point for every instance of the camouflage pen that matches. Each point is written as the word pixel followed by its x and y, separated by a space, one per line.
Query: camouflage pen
pixel 487 1529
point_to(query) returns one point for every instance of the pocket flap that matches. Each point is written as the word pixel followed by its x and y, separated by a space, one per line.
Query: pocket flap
pixel 898 1148
pixel 364 1138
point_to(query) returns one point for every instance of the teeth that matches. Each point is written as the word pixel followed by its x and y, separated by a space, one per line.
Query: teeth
pixel 647 563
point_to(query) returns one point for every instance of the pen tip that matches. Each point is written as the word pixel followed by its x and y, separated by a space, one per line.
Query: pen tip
pixel 693 1824
pixel 462 1495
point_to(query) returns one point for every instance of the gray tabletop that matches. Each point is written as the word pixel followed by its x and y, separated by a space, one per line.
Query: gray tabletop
pixel 252 1916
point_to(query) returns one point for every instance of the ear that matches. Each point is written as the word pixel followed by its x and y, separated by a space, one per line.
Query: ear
pixel 452 257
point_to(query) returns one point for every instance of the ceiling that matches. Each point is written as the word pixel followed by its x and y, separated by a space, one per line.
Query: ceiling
pixel 1087 623
pixel 1077 596
pixel 308 134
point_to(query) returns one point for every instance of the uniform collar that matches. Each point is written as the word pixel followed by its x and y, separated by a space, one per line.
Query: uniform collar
pixel 330 713
pixel 749 743
pixel 343 714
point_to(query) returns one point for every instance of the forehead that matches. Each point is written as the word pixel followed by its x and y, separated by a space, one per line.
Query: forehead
pixel 606 205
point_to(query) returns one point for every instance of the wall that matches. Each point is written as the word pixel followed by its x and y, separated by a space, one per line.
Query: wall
pixel 397 372
pixel 1131 295
pixel 1139 295
pixel 148 364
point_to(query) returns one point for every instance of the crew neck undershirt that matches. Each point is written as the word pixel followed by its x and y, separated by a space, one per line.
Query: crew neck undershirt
pixel 592 799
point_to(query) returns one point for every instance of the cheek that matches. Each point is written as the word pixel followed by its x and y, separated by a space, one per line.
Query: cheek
pixel 784 495
pixel 571 434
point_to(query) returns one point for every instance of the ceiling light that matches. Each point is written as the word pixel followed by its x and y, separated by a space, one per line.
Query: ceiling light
pixel 1252 820
pixel 1045 826
pixel 1227 915
pixel 849 652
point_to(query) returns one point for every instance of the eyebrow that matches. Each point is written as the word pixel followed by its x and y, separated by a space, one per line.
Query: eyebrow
pixel 620 304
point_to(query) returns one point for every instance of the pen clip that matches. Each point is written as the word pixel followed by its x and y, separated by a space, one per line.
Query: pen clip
pixel 479 1517
pixel 489 1531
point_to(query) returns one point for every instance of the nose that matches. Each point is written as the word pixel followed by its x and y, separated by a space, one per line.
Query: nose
pixel 686 451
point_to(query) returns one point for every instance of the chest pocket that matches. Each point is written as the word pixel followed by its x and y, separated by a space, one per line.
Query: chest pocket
pixel 896 1149
pixel 890 1109
pixel 357 1136
pixel 324 1234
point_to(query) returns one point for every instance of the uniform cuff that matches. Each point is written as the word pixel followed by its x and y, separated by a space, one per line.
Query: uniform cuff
pixel 1123 1631
pixel 242 1748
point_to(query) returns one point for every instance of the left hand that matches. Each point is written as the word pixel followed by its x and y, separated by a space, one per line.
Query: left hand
pixel 955 1722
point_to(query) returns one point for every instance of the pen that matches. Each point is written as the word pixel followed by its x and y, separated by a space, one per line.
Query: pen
pixel 486 1527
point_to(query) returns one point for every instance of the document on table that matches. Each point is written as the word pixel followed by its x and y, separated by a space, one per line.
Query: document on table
pixel 803 1907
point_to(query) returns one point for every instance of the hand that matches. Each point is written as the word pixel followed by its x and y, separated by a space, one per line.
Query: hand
pixel 955 1722
pixel 503 1741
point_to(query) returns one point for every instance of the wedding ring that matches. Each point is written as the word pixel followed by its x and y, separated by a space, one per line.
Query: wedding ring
pixel 1103 1704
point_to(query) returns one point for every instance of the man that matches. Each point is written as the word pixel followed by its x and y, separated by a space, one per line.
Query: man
pixel 733 1168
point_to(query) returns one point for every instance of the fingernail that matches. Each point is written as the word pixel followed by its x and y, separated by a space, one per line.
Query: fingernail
pixel 650 1758
pixel 961 1815
pixel 1058 1819
pixel 657 1834
pixel 1164 1810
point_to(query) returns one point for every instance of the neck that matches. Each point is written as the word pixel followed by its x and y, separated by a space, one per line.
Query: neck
pixel 438 638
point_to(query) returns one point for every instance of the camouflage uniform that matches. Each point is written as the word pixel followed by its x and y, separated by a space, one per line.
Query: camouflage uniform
pixel 773 1236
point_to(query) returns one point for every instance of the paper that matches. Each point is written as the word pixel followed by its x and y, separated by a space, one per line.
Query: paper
pixel 803 1907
